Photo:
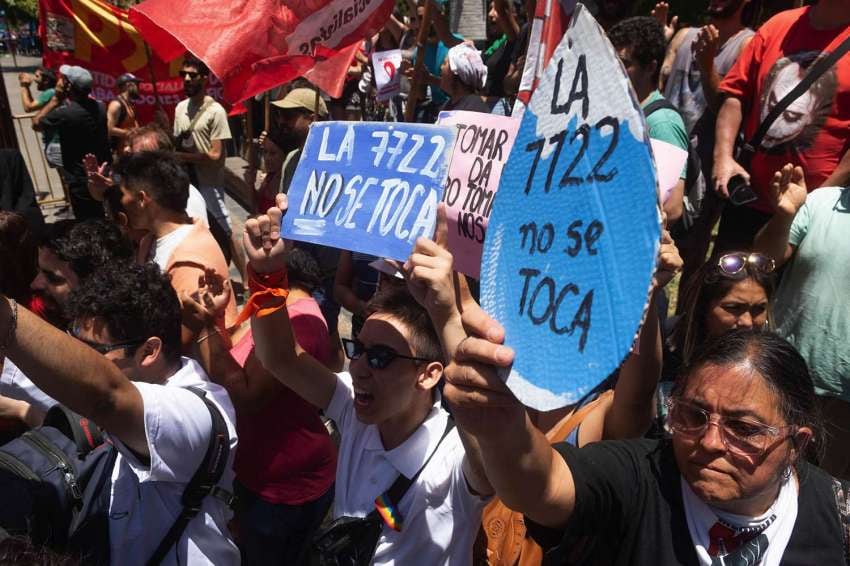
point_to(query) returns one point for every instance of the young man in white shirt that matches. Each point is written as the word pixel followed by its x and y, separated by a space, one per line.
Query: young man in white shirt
pixel 389 414
pixel 124 372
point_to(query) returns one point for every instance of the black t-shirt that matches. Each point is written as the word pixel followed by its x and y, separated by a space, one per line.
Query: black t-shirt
pixel 82 129
pixel 497 67
pixel 629 511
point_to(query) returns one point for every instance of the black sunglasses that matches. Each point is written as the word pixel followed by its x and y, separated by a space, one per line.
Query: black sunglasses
pixel 192 74
pixel 378 357
pixel 106 348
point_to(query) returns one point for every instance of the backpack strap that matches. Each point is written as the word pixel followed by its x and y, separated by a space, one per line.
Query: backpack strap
pixel 86 435
pixel 815 72
pixel 203 483
pixel 842 505
pixel 660 104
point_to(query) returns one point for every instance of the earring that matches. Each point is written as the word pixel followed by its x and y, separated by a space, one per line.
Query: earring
pixel 786 475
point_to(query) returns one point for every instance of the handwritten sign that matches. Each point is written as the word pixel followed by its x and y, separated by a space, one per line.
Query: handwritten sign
pixel 575 229
pixel 483 145
pixel 669 162
pixel 369 187
pixel 387 65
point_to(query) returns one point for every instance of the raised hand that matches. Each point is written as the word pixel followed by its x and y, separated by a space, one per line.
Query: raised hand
pixel 705 47
pixel 96 176
pixel 660 12
pixel 788 189
pixel 669 261
pixel 206 305
pixel 264 247
pixel 428 272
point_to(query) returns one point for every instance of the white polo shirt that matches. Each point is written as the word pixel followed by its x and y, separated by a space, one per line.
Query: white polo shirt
pixel 145 499
pixel 15 385
pixel 441 516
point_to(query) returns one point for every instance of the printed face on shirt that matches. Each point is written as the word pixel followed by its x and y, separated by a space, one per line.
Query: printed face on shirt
pixel 744 306
pixel 382 395
pixel 729 481
pixel 54 283
pixel 799 123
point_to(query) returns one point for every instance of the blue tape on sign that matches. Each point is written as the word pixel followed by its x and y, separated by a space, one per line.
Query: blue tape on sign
pixel 368 187
pixel 570 251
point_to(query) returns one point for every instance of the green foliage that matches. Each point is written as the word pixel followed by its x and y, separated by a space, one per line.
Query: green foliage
pixel 21 10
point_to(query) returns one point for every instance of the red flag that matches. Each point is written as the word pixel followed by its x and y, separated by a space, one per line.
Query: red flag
pixel 551 18
pixel 255 45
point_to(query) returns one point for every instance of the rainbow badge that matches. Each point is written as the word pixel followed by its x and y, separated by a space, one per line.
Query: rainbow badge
pixel 388 512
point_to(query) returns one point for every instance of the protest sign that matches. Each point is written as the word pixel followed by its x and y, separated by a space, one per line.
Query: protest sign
pixel 669 163
pixel 387 65
pixel 575 229
pixel 483 145
pixel 368 187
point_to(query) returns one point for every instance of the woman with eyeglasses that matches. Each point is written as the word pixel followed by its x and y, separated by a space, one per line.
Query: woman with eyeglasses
pixel 730 487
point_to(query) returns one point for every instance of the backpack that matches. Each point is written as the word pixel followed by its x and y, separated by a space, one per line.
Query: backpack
pixel 55 484
pixel 695 185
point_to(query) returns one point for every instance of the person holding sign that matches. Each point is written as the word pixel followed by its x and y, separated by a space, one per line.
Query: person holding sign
pixel 389 415
pixel 703 497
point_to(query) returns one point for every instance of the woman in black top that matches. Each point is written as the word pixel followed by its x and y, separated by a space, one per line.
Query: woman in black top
pixel 730 487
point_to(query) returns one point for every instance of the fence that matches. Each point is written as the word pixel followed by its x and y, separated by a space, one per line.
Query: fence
pixel 49 187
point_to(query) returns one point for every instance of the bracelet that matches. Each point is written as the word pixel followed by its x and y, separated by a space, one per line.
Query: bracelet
pixel 10 335
pixel 207 335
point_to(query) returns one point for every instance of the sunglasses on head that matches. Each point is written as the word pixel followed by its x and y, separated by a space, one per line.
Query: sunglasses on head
pixel 735 265
pixel 378 356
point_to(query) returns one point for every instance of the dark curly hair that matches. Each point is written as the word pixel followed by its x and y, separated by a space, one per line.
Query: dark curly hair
pixel 192 61
pixel 134 301
pixel 159 174
pixel 18 256
pixel 302 270
pixel 396 301
pixel 645 37
pixel 87 246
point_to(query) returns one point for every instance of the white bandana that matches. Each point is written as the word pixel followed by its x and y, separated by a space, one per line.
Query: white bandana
pixel 465 62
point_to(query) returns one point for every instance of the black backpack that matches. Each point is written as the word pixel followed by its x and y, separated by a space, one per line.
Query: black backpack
pixel 55 484
pixel 695 184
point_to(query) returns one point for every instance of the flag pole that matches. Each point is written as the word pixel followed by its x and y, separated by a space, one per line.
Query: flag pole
pixel 266 111
pixel 415 87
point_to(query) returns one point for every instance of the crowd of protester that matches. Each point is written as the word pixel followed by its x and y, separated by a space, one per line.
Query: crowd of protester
pixel 261 429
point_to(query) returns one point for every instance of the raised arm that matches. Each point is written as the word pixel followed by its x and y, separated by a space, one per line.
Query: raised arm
pixel 788 190
pixel 275 344
pixel 75 375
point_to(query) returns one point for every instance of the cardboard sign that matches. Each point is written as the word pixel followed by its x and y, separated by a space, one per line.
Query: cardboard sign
pixel 387 65
pixel 575 229
pixel 669 162
pixel 483 145
pixel 368 187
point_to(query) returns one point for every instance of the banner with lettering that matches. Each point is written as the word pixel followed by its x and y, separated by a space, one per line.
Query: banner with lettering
pixel 256 45
pixel 369 187
pixel 572 241
pixel 483 145
pixel 99 37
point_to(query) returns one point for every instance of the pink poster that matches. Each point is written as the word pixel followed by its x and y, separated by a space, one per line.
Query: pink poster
pixel 484 142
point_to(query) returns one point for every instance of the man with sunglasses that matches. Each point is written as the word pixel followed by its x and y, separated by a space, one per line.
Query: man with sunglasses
pixel 200 130
pixel 389 414
pixel 121 368
pixel 809 235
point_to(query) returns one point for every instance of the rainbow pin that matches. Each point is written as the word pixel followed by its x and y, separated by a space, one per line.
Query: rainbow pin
pixel 388 512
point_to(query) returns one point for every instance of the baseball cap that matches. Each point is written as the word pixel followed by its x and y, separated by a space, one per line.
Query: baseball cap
pixel 127 78
pixel 303 98
pixel 77 76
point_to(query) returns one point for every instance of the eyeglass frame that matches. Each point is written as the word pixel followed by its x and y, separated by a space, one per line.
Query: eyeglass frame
pixel 104 349
pixel 767 429
pixel 745 257
pixel 354 356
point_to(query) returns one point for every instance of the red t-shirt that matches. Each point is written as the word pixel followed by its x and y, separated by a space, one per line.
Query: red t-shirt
pixel 285 454
pixel 814 132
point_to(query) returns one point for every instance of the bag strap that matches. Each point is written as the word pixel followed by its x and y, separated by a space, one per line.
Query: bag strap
pixel 842 505
pixel 660 104
pixel 207 103
pixel 86 435
pixel 819 68
pixel 203 483
pixel 391 498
